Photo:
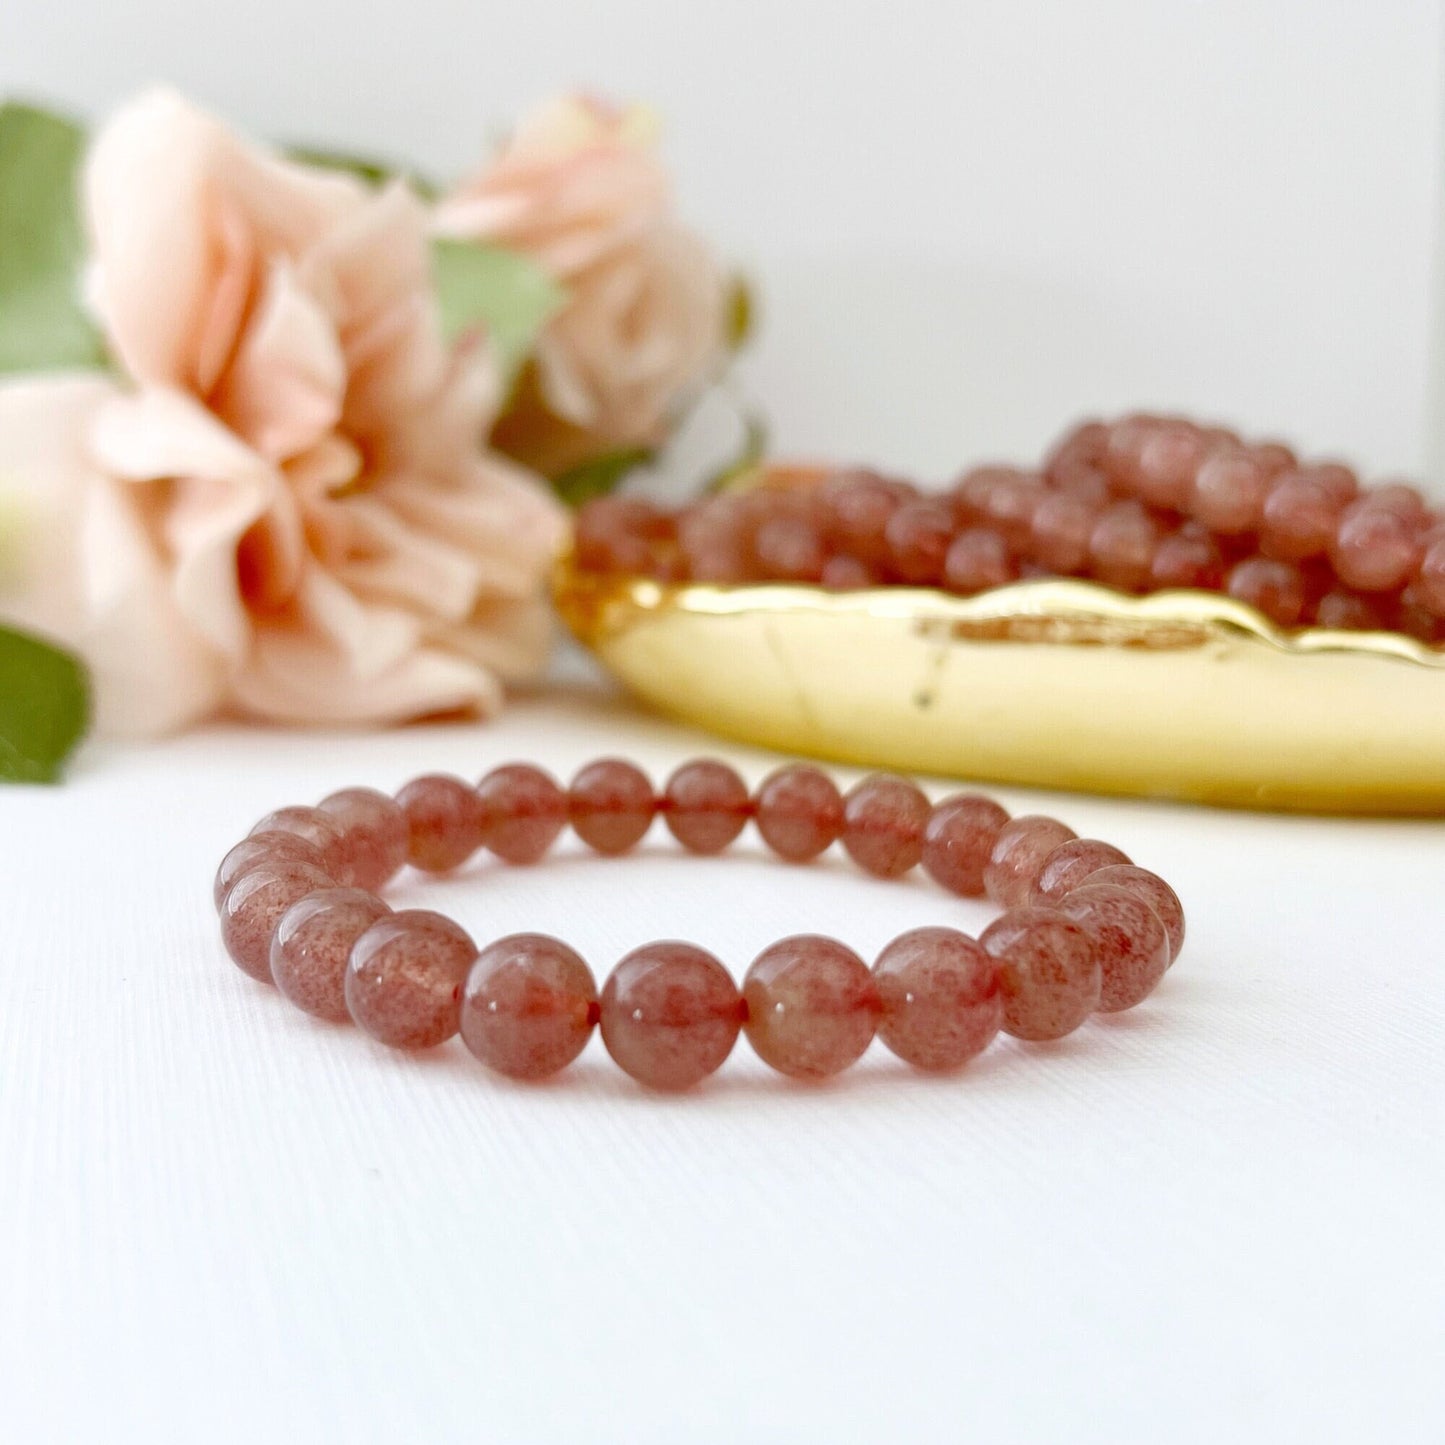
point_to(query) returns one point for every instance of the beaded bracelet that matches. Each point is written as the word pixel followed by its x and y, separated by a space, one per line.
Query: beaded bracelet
pixel 1084 929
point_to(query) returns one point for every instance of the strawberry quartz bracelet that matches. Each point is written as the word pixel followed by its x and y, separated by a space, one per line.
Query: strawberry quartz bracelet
pixel 1083 928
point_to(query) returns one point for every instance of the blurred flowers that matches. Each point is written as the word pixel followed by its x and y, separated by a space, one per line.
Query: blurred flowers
pixel 580 189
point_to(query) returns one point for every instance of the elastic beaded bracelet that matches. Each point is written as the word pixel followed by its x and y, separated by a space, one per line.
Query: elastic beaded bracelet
pixel 1084 929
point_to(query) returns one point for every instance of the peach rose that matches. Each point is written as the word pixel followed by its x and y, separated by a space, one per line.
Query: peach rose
pixel 281 507
pixel 580 188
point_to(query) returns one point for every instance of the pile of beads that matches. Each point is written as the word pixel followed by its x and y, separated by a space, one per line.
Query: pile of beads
pixel 1139 505
pixel 1084 929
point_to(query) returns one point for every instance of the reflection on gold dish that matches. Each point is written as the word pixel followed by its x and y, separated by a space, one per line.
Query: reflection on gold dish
pixel 1056 683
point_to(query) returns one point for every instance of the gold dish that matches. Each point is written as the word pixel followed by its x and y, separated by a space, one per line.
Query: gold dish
pixel 1055 684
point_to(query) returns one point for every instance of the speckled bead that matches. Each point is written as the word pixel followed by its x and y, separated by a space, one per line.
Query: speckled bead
pixel 670 1015
pixel 1131 944
pixel 939 996
pixel 317 828
pixel 611 805
pixel 812 1006
pixel 1068 865
pixel 444 820
pixel 1018 857
pixel 524 811
pixel 404 978
pixel 528 1006
pixel 1155 892
pixel 958 840
pixel 705 805
pixel 254 904
pixel 799 812
pixel 312 944
pixel 374 835
pixel 263 848
pixel 1049 972
pixel 883 822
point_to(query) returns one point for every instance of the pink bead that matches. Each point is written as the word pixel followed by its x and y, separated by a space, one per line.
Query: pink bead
pixel 1018 857
pixel 1404 501
pixel 528 1006
pixel 1376 549
pixel 716 537
pixel 670 1014
pixel 444 820
pixel 1430 579
pixel 1275 458
pixel 940 999
pixel 1122 546
pixel 1062 526
pixel 705 805
pixel 1229 493
pixel 312 943
pixel 1125 447
pixel 1301 515
pixel 790 549
pixel 883 822
pixel 254 904
pixel 405 976
pixel 263 848
pixel 958 840
pixel 317 828
pixel 1168 462
pixel 978 558
pixel 1069 864
pixel 1009 507
pixel 613 533
pixel 1337 479
pixel 374 834
pixel 1084 443
pixel 799 812
pixel 1274 588
pixel 611 804
pixel 1187 559
pixel 846 574
pixel 1130 942
pixel 524 810
pixel 1049 973
pixel 812 1006
pixel 857 508
pixel 1154 891
pixel 918 536
pixel 1351 611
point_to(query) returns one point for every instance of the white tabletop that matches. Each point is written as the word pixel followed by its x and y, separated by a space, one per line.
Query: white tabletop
pixel 1216 1218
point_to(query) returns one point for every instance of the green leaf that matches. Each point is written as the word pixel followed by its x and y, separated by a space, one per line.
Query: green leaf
pixel 44 708
pixel 599 476
pixel 42 322
pixel 498 290
pixel 741 313
pixel 365 168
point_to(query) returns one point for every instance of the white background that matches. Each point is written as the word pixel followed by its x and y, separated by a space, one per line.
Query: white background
pixel 1216 1219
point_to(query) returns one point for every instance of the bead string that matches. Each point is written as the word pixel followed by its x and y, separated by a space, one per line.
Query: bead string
pixel 1142 504
pixel 1083 928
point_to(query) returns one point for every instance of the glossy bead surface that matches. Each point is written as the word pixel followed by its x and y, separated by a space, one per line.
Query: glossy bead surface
pixel 316 827
pixel 1376 549
pixel 263 848
pixel 404 978
pixel 524 811
pixel 705 805
pixel 1274 588
pixel 1229 493
pixel 312 944
pixel 1018 857
pixel 1131 944
pixel 1155 892
pixel 1122 546
pixel 1069 864
pixel 1301 514
pixel 528 1006
pixel 812 1006
pixel 444 822
pixel 670 1014
pixel 374 834
pixel 883 822
pixel 918 536
pixel 253 906
pixel 939 995
pixel 1062 526
pixel 611 805
pixel 799 812
pixel 977 559
pixel 958 840
pixel 1049 973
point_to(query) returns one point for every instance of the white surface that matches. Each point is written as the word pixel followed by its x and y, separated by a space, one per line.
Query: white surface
pixel 969 222
pixel 1215 1219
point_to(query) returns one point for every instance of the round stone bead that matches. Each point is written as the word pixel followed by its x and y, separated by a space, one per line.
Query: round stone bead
pixel 670 1014
pixel 611 804
pixel 883 822
pixel 977 559
pixel 1062 526
pixel 1122 546
pixel 918 536
pixel 405 976
pixel 1230 491
pixel 444 822
pixel 1049 973
pixel 1274 588
pixel 705 805
pixel 373 834
pixel 528 1006
pixel 790 549
pixel 1154 891
pixel 1301 514
pixel 799 812
pixel 317 828
pixel 1069 864
pixel 1169 460
pixel 312 943
pixel 524 811
pixel 938 990
pixel 1376 549
pixel 857 507
pixel 1187 558
pixel 958 840
pixel 263 848
pixel 1430 579
pixel 1130 941
pixel 846 574
pixel 1352 611
pixel 254 904
pixel 1018 857
pixel 812 1006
